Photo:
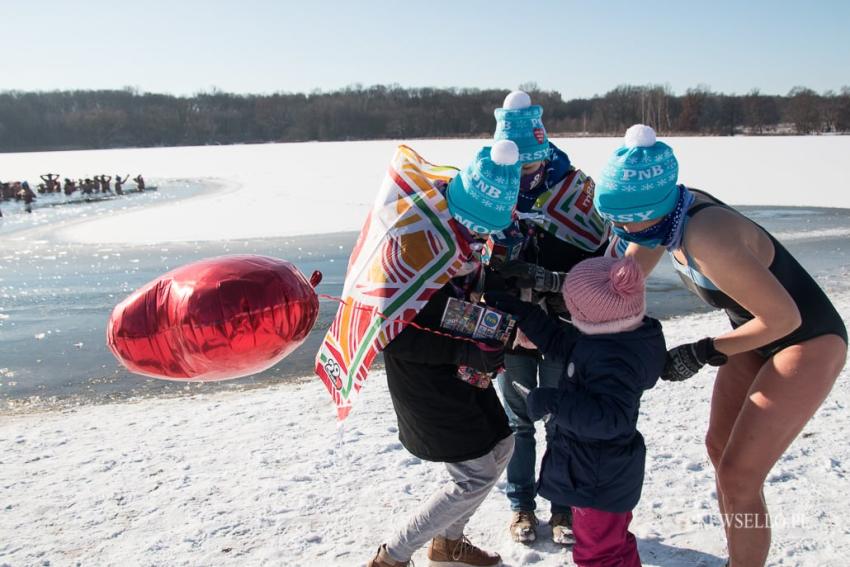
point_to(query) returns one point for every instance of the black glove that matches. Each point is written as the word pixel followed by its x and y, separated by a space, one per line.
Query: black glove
pixel 686 360
pixel 507 302
pixel 532 276
pixel 486 356
pixel 541 402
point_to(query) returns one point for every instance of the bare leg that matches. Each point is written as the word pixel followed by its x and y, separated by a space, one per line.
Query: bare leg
pixel 786 392
pixel 733 381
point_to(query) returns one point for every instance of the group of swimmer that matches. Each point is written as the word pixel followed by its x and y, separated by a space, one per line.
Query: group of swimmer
pixel 588 350
pixel 87 186
pixel 98 184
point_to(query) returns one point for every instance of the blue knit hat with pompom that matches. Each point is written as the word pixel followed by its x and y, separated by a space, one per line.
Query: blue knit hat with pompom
pixel 522 122
pixel 483 196
pixel 639 181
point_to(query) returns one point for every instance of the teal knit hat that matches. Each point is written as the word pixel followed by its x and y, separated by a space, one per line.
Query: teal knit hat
pixel 483 196
pixel 520 121
pixel 639 182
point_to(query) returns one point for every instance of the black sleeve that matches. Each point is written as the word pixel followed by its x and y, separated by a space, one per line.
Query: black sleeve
pixel 553 338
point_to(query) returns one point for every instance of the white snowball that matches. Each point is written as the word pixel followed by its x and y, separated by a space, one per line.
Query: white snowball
pixel 639 136
pixel 504 152
pixel 517 99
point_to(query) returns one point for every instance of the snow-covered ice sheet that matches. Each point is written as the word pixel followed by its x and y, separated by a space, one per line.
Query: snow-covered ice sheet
pixel 312 188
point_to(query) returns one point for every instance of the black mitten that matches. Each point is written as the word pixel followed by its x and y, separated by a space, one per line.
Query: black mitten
pixel 686 360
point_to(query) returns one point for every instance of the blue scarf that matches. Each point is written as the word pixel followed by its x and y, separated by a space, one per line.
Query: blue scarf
pixel 667 232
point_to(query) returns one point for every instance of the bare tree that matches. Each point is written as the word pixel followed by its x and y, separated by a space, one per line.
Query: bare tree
pixel 760 111
pixel 803 110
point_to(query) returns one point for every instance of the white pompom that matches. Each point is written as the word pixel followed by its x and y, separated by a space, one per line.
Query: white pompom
pixel 516 100
pixel 504 152
pixel 639 136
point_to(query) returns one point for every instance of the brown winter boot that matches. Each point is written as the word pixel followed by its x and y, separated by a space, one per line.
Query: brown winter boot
pixel 383 559
pixel 562 529
pixel 459 553
pixel 523 526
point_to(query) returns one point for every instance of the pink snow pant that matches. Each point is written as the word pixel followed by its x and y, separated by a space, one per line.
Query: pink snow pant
pixel 603 539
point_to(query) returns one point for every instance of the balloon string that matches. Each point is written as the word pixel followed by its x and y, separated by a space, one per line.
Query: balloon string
pixel 374 311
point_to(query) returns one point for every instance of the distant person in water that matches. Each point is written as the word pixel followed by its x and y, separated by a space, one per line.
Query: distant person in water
pixel 69 187
pixel 27 195
pixel 119 183
pixel 140 182
pixel 104 184
pixel 51 182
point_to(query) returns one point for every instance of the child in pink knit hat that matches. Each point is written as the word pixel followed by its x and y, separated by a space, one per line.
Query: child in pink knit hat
pixel 594 461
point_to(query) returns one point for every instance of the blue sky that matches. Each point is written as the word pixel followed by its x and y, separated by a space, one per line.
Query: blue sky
pixel 577 48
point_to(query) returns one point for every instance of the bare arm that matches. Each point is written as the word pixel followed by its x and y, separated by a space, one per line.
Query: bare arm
pixel 735 254
pixel 647 258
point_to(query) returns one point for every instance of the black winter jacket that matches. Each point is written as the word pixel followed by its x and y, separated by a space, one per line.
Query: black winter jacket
pixel 440 417
pixel 596 457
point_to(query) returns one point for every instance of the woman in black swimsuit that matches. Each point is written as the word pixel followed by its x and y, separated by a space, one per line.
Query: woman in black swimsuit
pixel 788 343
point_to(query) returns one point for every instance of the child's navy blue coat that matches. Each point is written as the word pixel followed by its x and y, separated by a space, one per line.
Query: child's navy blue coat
pixel 596 456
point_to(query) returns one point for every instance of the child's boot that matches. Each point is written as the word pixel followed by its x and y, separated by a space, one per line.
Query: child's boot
pixel 562 528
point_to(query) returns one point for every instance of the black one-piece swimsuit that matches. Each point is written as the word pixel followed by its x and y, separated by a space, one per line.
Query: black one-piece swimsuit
pixel 819 316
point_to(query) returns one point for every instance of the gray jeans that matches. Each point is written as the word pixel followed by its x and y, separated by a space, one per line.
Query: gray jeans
pixel 449 509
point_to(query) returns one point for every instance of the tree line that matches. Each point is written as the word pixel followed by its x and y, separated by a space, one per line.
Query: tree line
pixel 57 120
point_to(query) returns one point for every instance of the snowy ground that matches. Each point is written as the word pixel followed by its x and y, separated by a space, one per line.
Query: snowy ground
pixel 259 477
pixel 312 188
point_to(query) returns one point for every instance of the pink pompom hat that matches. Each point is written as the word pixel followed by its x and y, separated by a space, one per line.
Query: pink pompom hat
pixel 605 295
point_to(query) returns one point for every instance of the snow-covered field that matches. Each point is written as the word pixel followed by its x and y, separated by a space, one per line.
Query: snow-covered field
pixel 311 188
pixel 260 477
pixel 264 477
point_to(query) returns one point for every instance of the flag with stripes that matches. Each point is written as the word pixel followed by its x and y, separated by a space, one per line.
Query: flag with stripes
pixel 569 214
pixel 406 251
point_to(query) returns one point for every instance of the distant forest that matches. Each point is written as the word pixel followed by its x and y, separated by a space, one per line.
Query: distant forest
pixel 58 120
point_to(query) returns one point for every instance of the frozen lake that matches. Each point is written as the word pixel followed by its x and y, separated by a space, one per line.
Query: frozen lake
pixel 63 267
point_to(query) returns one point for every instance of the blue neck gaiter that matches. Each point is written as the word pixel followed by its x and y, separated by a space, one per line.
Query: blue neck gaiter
pixel 668 232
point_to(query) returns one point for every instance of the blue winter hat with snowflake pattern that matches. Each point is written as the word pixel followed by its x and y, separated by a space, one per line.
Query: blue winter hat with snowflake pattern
pixel 521 122
pixel 639 183
pixel 483 196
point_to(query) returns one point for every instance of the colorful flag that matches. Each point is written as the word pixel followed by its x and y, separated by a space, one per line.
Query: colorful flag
pixel 406 251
